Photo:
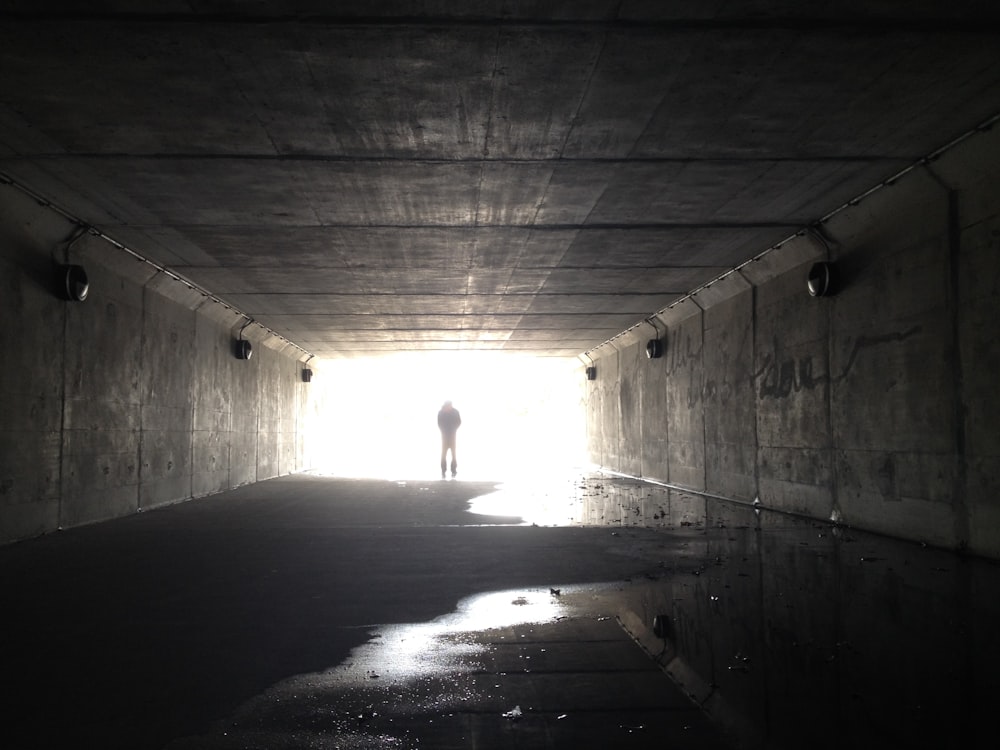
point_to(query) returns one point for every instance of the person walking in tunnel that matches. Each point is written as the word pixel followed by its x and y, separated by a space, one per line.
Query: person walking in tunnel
pixel 449 421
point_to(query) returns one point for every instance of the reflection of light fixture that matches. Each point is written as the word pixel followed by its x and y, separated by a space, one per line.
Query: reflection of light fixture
pixel 244 349
pixel 661 626
pixel 821 279
pixel 591 373
pixel 74 283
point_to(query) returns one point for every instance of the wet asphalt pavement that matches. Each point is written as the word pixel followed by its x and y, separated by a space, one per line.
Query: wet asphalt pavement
pixel 322 612
pixel 230 621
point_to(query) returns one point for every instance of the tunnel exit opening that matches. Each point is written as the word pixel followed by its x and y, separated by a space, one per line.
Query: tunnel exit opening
pixel 522 416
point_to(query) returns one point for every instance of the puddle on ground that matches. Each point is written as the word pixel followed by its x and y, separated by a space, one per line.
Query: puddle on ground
pixel 431 670
pixel 539 502
pixel 595 500
pixel 788 631
pixel 400 653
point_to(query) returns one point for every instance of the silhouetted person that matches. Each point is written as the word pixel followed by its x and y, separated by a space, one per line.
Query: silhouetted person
pixel 448 420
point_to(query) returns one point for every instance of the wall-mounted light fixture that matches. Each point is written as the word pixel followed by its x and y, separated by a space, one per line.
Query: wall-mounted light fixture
pixel 821 281
pixel 307 374
pixel 654 347
pixel 591 373
pixel 244 349
pixel 73 283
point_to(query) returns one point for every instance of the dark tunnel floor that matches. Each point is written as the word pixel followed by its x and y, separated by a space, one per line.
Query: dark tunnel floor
pixel 318 612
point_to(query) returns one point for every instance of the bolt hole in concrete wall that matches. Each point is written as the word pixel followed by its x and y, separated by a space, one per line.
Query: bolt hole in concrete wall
pixel 521 416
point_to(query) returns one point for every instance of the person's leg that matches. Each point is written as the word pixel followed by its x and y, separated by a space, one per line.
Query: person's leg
pixel 448 444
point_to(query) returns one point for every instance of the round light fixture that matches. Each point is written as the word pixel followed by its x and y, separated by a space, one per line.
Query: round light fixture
pixel 75 285
pixel 821 280
pixel 654 348
pixel 661 626
pixel 244 349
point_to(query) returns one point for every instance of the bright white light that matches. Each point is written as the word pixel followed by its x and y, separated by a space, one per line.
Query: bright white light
pixel 520 415
pixel 447 647
pixel 539 499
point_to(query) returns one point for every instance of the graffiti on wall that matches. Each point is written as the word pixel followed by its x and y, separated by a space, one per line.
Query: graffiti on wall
pixel 781 376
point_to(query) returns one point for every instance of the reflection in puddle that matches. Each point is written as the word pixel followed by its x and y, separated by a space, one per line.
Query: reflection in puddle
pixel 787 631
pixel 404 679
pixel 399 653
pixel 541 501
pixel 592 500
pixel 793 631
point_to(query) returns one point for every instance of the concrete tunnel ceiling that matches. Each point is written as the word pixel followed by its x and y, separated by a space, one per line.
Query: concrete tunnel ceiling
pixel 520 176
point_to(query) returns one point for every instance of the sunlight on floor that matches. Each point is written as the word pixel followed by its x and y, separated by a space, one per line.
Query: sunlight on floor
pixel 521 416
pixel 539 500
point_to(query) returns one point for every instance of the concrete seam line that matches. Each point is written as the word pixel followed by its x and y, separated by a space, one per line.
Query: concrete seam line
pixel 6 179
pixel 982 127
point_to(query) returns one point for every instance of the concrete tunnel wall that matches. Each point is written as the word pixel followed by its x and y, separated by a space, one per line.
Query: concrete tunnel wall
pixel 133 398
pixel 876 407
